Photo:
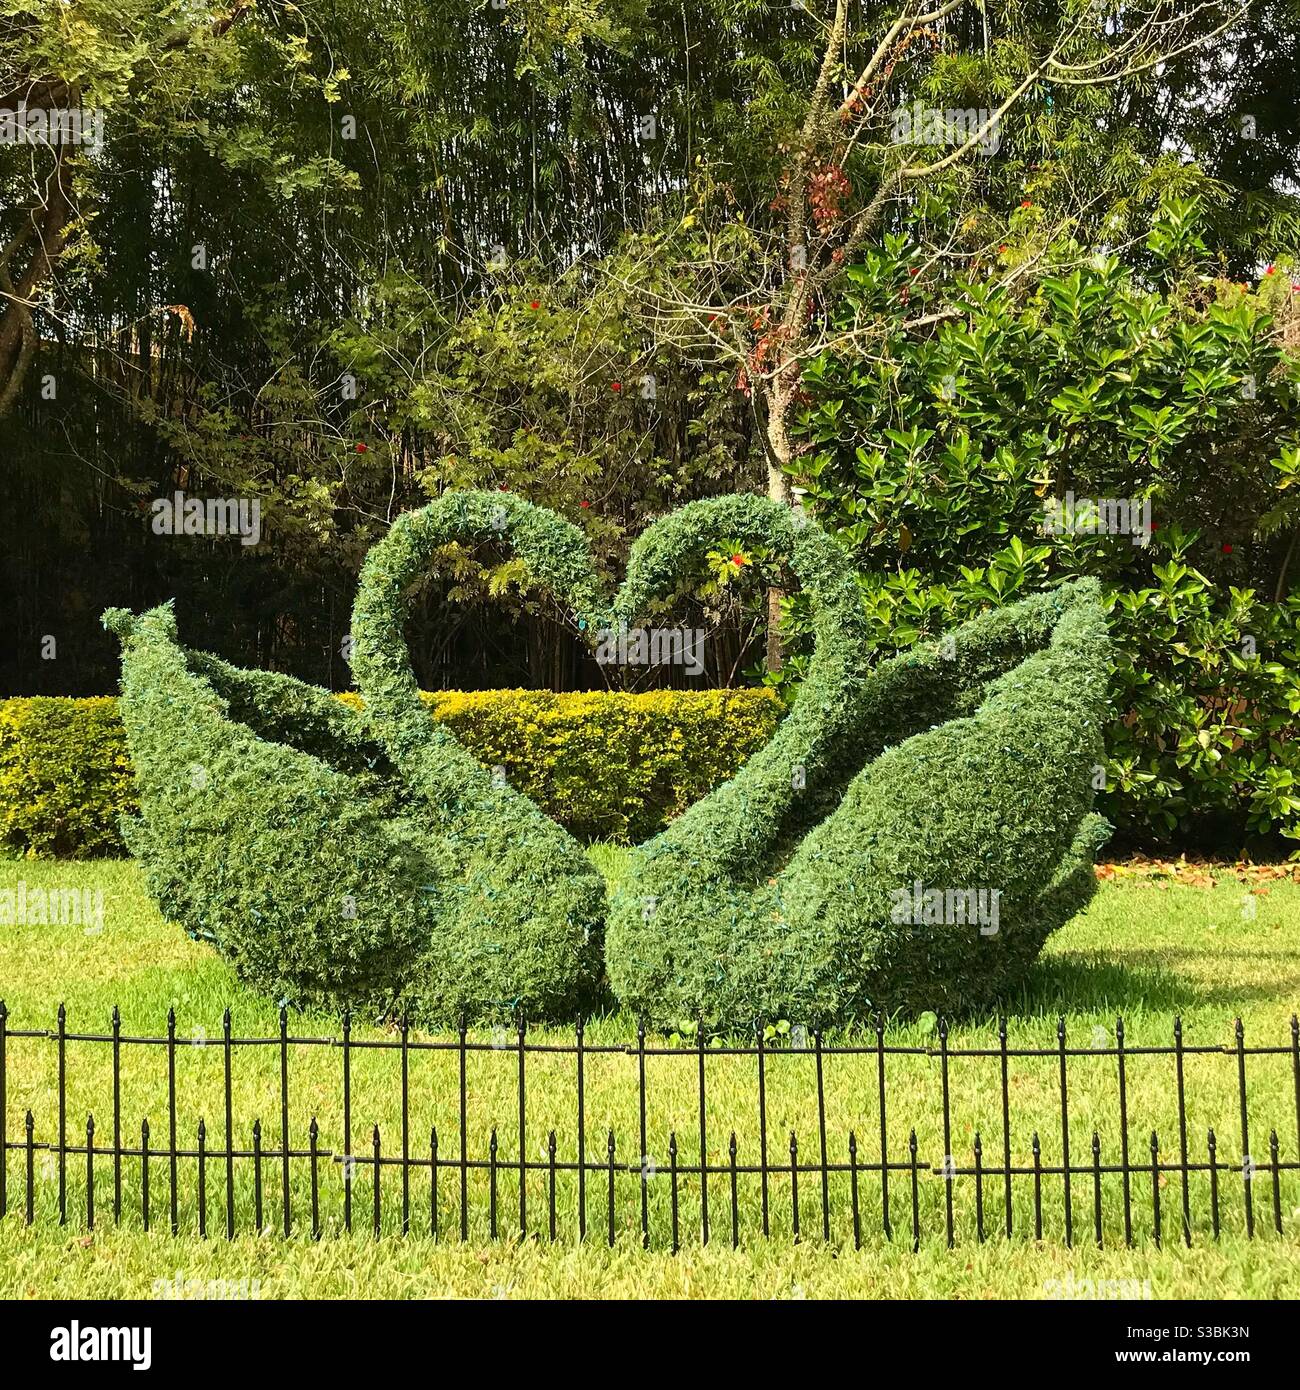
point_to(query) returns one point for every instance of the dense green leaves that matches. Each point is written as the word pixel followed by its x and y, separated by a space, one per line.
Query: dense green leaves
pixel 942 463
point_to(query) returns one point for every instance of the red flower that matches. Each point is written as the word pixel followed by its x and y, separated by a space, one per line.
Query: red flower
pixel 584 504
pixel 1026 204
pixel 1226 548
pixel 615 385
pixel 534 304
pixel 914 270
pixel 1155 526
pixel 1269 271
pixel 503 487
pixel 362 449
pixel 1001 249
pixel 739 560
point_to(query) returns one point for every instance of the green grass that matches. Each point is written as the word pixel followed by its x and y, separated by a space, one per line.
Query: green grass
pixel 1146 951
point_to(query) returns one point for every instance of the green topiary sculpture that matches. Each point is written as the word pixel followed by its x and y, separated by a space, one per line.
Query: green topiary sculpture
pixel 367 859
pixel 976 795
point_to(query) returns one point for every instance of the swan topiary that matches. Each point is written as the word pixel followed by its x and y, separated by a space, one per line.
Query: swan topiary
pixel 366 859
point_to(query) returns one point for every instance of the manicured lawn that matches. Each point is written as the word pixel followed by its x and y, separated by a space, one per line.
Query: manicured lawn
pixel 1144 950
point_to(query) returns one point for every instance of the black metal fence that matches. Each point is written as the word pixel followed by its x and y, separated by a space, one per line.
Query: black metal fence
pixel 851 1185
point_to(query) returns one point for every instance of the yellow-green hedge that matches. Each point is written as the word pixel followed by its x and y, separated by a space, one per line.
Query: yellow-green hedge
pixel 606 766
pixel 65 776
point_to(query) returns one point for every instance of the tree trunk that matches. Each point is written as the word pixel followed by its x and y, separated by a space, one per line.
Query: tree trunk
pixel 778 489
pixel 43 235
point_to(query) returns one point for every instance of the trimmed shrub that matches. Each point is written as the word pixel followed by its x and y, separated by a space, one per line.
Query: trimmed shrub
pixel 65 776
pixel 345 855
pixel 605 765
pixel 980 758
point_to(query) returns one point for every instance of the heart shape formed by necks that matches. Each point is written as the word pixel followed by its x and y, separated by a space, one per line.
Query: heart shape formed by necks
pixel 521 890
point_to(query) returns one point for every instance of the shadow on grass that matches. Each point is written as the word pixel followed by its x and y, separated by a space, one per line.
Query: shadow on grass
pixel 1141 982
pixel 1078 984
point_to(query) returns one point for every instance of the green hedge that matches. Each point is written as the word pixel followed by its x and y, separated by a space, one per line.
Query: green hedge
pixel 65 776
pixel 606 766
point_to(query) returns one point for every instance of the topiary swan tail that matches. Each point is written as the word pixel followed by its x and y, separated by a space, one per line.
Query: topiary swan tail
pixel 294 872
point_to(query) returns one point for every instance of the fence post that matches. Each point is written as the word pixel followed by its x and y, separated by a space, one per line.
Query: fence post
pixel 1155 1188
pixel 610 1150
pixel 203 1180
pixel 1247 1163
pixel 117 1115
pixel 257 1176
pixel 349 1162
pixel 1006 1120
pixel 645 1157
pixel 284 1117
pixel 30 1135
pixel 735 1195
pixel 523 1140
pixel 90 1172
pixel 1182 1131
pixel 762 1128
pixel 230 1128
pixel 375 1143
pixel 313 1141
pixel 63 1115
pixel 406 1125
pixel 464 1139
pixel 1123 1132
pixel 821 1134
pixel 884 1138
pixel 947 1132
pixel 794 1184
pixel 1065 1134
pixel 144 1172
pixel 582 1139
pixel 492 1184
pixel 704 1140
pixel 672 1169
pixel 171 1120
